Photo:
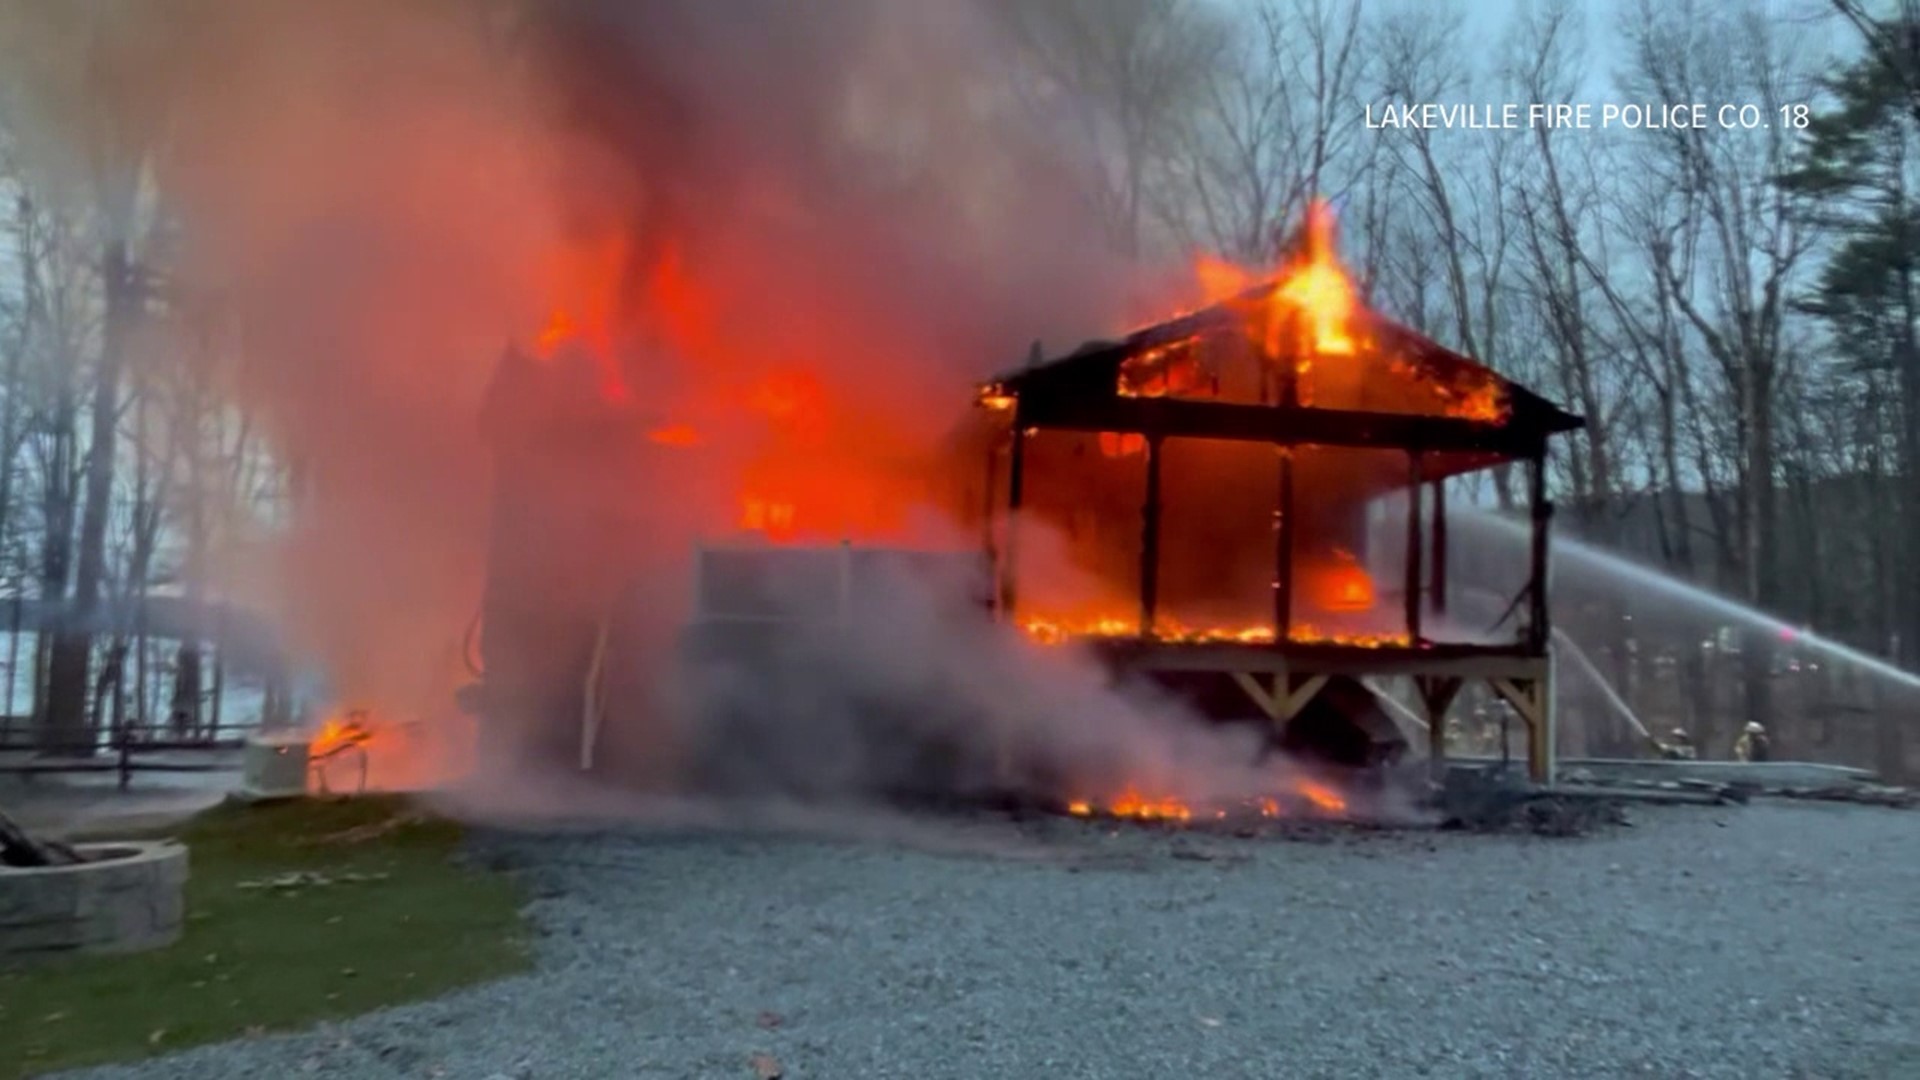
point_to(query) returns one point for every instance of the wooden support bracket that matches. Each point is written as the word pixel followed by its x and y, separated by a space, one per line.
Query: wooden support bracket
pixel 1298 696
pixel 1529 698
pixel 1266 699
pixel 1285 700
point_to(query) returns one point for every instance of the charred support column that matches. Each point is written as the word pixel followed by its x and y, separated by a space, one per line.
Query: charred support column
pixel 1539 631
pixel 1016 485
pixel 1437 576
pixel 1535 701
pixel 1436 695
pixel 1283 551
pixel 1150 539
pixel 1413 547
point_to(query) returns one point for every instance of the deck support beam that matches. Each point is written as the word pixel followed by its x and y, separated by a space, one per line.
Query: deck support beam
pixel 1150 539
pixel 1437 576
pixel 1436 697
pixel 1414 538
pixel 1283 551
pixel 1288 694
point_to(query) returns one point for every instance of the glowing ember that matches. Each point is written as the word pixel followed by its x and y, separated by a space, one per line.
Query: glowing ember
pixel 1323 798
pixel 1058 631
pixel 1129 804
pixel 995 396
pixel 1305 797
pixel 1116 444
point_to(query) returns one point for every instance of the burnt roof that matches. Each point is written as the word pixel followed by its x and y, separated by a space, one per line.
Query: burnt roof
pixel 1080 391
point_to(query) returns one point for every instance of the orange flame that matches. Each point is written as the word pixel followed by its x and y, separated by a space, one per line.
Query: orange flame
pixel 1130 805
pixel 1058 631
pixel 337 734
pixel 1344 586
pixel 1317 293
pixel 1323 798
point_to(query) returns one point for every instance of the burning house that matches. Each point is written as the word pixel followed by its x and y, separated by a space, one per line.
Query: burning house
pixel 1208 505
pixel 1225 484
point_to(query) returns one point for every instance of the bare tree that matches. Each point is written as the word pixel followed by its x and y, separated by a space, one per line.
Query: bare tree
pixel 1747 241
pixel 1124 75
pixel 1277 125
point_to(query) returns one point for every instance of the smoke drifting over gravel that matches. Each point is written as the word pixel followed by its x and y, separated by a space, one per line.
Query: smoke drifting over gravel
pixel 796 232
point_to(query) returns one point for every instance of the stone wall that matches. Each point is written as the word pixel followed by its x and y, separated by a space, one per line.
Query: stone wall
pixel 126 898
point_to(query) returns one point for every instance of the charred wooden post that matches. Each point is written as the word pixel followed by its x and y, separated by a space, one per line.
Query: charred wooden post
pixel 1289 381
pixel 1413 547
pixel 1539 630
pixel 1437 576
pixel 1016 490
pixel 1283 552
pixel 1436 697
pixel 1150 539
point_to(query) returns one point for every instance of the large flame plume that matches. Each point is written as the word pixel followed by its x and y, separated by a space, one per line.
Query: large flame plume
pixel 779 244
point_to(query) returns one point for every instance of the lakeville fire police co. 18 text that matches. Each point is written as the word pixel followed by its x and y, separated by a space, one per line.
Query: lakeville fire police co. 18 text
pixel 1579 115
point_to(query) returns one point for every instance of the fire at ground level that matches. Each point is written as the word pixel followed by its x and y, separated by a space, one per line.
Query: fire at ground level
pixel 1765 940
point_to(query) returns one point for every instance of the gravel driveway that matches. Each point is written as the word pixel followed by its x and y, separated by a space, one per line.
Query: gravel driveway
pixel 1772 940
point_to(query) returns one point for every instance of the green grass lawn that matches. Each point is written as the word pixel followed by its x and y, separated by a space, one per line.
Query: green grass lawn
pixel 383 914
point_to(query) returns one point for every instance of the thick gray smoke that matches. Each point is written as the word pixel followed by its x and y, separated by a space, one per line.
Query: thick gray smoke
pixel 794 233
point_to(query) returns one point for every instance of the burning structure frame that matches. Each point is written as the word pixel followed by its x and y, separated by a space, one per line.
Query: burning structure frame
pixel 1479 420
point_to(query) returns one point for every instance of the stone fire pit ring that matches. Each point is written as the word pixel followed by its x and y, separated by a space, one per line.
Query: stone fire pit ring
pixel 127 896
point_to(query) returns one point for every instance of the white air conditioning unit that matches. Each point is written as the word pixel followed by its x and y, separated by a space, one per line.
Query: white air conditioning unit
pixel 274 765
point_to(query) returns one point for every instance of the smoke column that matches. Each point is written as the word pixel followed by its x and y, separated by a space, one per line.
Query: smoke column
pixel 795 233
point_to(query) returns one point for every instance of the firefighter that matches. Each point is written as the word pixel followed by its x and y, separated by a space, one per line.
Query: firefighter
pixel 1753 744
pixel 1678 746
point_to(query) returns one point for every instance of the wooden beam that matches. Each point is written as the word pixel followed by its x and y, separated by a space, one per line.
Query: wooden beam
pixel 1286 699
pixel 1283 552
pixel 1277 425
pixel 1413 547
pixel 1437 576
pixel 1150 539
pixel 1296 697
pixel 1268 701
pixel 1529 698
pixel 1470 661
